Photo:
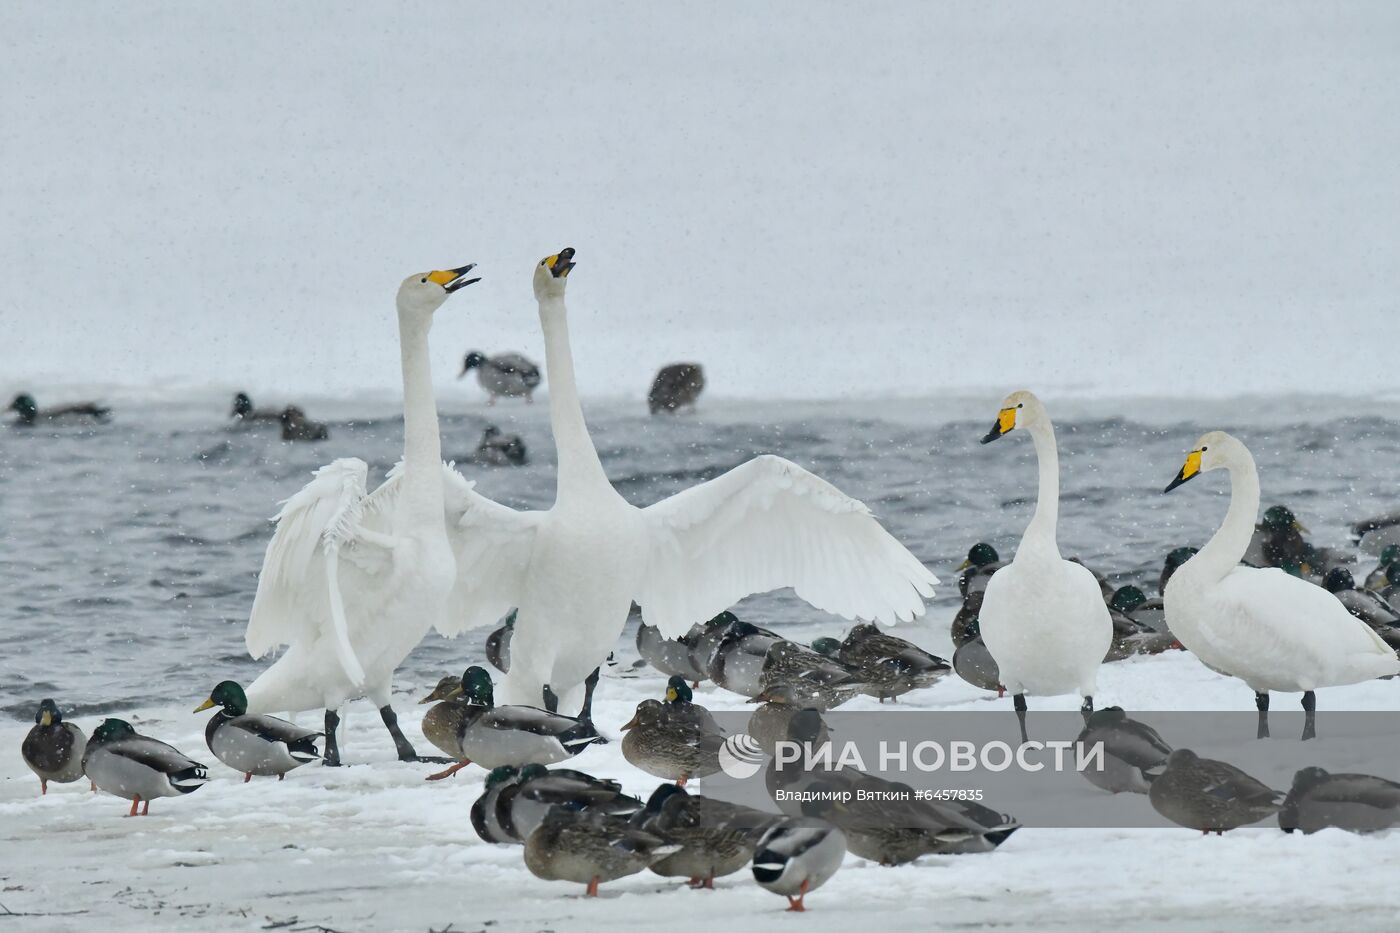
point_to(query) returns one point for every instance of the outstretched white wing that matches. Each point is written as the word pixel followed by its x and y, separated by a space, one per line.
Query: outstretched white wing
pixel 299 589
pixel 493 544
pixel 768 524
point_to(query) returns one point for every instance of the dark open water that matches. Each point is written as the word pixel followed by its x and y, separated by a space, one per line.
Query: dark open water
pixel 129 552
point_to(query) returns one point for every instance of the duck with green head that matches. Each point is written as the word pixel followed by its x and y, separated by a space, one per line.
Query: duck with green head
pixel 974 572
pixel 53 749
pixel 30 414
pixel 675 739
pixel 1377 579
pixel 1175 558
pixel 262 745
pixel 491 736
pixel 124 763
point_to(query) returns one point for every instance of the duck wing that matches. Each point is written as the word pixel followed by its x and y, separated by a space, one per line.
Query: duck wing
pixel 156 755
pixel 769 524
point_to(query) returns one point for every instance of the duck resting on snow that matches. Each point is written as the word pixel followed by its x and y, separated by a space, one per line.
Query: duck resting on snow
pixel 124 763
pixel 53 749
pixel 574 570
pixel 262 745
pixel 352 580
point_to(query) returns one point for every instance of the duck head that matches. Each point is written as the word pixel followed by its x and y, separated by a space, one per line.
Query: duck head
pixel 1338 579
pixel 658 798
pixel 678 690
pixel 477 688
pixel 472 360
pixel 502 775
pixel 111 730
pixel 27 408
pixel 1214 451
pixel 424 292
pixel 552 274
pixel 1127 598
pixel 826 646
pixel 981 554
pixel 446 689
pixel 228 695
pixel 242 406
pixel 1019 410
pixel 48 714
pixel 1281 518
pixel 649 713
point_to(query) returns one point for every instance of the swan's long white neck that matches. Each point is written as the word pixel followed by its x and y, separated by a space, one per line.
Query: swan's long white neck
pixel 1226 547
pixel 421 490
pixel 1041 530
pixel 579 466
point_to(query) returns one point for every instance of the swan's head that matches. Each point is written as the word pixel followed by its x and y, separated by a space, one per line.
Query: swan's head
pixel 1020 410
pixel 552 273
pixel 1215 450
pixel 424 292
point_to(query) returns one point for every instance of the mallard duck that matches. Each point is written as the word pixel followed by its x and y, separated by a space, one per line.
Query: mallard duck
pixel 771 723
pixel 1131 637
pixel 1366 605
pixel 1357 803
pixel 491 735
pixel 522 807
pixel 498 449
pixel 737 659
pixel 30 415
pixel 796 856
pixel 670 656
pixel 483 813
pixel 1278 542
pixel 704 644
pixel 883 820
pixel 1175 558
pixel 675 387
pixel 1377 579
pixel 127 764
pixel 975 664
pixel 262 745
pixel 820 682
pixel 297 427
pixel 974 572
pixel 53 749
pixel 966 623
pixel 498 644
pixel 717 837
pixel 675 740
pixel 1133 753
pixel 508 375
pixel 441 723
pixel 890 665
pixel 590 848
pixel 1146 613
pixel 1212 796
pixel 245 413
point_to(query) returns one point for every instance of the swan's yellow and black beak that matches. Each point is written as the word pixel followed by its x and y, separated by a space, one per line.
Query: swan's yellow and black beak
pixel 1006 423
pixel 207 704
pixel 561 262
pixel 1190 468
pixel 453 279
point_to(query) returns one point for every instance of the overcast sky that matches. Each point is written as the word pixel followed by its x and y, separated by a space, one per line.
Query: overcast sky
pixel 1168 198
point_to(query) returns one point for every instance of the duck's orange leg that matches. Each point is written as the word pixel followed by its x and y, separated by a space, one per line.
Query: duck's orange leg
pixel 447 772
pixel 795 903
pixel 134 801
pixel 592 888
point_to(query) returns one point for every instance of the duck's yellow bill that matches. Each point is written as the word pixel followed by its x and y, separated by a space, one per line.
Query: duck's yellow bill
pixel 207 704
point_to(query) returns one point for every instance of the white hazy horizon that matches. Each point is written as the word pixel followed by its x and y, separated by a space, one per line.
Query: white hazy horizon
pixel 1197 199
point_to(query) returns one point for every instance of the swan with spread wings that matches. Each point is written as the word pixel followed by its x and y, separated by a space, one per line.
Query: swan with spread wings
pixel 352 580
pixel 573 571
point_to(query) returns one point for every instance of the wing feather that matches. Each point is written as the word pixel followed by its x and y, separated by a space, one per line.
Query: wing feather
pixel 769 524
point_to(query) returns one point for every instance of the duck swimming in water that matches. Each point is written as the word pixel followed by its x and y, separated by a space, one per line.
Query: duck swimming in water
pixel 506 375
pixel 30 413
pixel 297 427
pixel 244 412
pixel 675 387
pixel 500 449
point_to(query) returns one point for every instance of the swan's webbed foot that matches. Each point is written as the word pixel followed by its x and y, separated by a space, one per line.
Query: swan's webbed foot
pixel 332 757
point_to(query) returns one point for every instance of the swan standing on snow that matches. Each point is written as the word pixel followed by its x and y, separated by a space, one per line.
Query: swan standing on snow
pixel 1271 630
pixel 1043 618
pixel 352 582
pixel 573 571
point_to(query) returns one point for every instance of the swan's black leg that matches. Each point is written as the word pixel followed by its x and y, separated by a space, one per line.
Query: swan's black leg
pixel 1310 715
pixel 589 684
pixel 1019 702
pixel 332 758
pixel 1261 702
pixel 551 702
pixel 1086 709
pixel 401 744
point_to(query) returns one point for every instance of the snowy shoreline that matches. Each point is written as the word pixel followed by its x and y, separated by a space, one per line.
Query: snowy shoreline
pixel 372 846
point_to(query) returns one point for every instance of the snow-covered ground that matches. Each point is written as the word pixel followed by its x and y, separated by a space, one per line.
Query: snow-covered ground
pixel 372 846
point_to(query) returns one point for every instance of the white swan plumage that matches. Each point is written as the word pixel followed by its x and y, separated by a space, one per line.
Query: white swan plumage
pixel 1270 629
pixel 1043 618
pixel 574 570
pixel 352 581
